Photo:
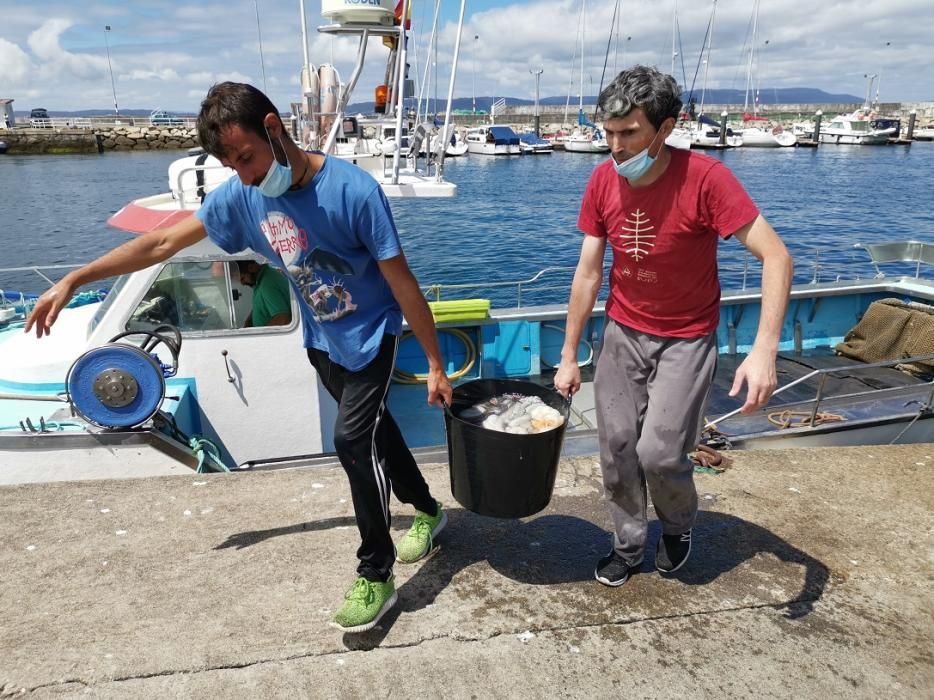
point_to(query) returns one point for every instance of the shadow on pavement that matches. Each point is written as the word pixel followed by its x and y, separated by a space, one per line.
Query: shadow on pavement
pixel 555 549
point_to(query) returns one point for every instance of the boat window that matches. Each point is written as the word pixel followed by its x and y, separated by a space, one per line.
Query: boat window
pixel 109 300
pixel 192 296
pixel 202 296
pixel 859 126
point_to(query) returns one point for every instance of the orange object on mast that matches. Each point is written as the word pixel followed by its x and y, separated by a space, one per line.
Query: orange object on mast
pixel 382 94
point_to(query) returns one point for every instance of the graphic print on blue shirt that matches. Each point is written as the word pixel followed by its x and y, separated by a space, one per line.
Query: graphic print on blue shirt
pixel 329 237
pixel 328 302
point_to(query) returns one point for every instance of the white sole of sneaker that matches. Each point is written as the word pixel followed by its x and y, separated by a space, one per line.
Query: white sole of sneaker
pixel 617 584
pixel 682 563
pixel 366 627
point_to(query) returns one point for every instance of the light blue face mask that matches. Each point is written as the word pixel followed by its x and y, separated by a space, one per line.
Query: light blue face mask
pixel 637 166
pixel 278 178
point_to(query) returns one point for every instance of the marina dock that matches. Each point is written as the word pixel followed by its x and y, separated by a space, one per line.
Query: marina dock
pixel 811 576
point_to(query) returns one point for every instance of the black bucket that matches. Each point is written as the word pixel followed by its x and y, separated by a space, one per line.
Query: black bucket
pixel 502 475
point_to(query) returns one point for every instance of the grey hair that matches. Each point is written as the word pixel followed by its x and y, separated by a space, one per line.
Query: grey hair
pixel 655 93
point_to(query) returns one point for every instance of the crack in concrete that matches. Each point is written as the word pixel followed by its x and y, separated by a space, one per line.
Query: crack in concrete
pixel 340 652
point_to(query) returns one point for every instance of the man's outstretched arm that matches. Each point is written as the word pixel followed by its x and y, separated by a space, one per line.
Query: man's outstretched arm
pixel 137 254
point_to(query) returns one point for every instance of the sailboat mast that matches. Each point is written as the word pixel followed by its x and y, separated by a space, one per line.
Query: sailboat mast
pixel 674 31
pixel 580 105
pixel 713 16
pixel 752 63
pixel 304 34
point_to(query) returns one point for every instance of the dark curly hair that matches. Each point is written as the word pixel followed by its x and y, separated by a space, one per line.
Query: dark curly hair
pixel 231 103
pixel 655 93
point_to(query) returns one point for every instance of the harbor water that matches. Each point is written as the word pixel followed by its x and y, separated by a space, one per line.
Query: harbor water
pixel 511 217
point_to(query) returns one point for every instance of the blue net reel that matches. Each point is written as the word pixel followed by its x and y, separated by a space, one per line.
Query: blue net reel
pixel 119 385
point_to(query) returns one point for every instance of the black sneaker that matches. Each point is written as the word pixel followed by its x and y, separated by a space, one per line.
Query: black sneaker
pixel 613 571
pixel 673 551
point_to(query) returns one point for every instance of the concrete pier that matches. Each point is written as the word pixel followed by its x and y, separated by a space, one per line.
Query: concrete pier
pixel 811 576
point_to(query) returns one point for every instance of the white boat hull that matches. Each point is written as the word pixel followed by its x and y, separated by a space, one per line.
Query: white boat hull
pixel 755 137
pixel 850 138
pixel 586 146
pixel 491 149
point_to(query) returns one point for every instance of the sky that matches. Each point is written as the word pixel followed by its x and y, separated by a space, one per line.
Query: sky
pixel 165 55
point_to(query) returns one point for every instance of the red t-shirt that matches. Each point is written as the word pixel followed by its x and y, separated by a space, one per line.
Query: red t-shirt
pixel 664 238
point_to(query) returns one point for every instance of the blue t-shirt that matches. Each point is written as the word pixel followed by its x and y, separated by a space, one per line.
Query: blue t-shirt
pixel 328 236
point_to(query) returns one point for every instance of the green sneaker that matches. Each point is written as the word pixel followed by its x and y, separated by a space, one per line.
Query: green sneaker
pixel 418 542
pixel 364 604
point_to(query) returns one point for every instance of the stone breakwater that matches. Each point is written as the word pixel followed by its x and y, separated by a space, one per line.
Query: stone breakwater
pixel 146 138
pixel 120 138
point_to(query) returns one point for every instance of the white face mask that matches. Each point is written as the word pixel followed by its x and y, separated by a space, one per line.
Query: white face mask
pixel 279 177
pixel 637 166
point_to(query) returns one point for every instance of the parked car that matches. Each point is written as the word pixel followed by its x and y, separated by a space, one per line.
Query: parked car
pixel 39 118
pixel 162 118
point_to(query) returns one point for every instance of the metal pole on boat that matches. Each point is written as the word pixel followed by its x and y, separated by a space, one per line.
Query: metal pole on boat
pixel 259 34
pixel 447 111
pixel 817 120
pixel 304 35
pixel 113 85
pixel 536 119
pixel 712 423
pixel 400 93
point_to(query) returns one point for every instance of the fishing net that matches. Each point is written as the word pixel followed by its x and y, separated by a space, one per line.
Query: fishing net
pixel 892 329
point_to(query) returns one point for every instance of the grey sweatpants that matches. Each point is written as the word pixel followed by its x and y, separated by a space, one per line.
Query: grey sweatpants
pixel 650 396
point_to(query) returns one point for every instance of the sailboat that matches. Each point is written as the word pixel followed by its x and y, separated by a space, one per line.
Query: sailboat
pixel 753 134
pixel 680 137
pixel 706 132
pixel 587 137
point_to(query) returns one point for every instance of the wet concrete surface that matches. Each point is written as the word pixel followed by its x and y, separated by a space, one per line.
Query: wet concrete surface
pixel 812 574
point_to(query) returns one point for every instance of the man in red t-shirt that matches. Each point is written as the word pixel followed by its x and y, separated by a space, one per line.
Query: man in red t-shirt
pixel 662 211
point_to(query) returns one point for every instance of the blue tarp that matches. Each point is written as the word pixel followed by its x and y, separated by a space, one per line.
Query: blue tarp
pixel 582 120
pixel 504 135
pixel 533 140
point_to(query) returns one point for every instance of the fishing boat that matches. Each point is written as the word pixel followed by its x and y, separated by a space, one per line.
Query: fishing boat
pixel 178 382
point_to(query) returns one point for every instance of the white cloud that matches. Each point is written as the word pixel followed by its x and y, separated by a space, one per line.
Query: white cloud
pixel 17 66
pixel 168 56
pixel 166 74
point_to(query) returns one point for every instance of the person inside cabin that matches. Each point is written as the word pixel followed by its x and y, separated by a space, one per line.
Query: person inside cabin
pixel 271 303
pixel 663 212
pixel 329 225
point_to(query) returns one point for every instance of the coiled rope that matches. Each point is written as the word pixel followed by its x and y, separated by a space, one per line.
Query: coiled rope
pixel 403 377
pixel 801 419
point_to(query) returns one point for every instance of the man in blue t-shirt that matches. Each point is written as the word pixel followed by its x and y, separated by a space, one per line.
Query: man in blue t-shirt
pixel 328 225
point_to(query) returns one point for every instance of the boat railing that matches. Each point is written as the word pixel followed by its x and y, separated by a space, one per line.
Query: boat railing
pixel 22 302
pixel 835 263
pixel 435 292
pixel 823 373
pixel 197 192
pixel 820 265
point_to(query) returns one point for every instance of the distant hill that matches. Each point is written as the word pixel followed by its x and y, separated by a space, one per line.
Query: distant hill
pixel 767 96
